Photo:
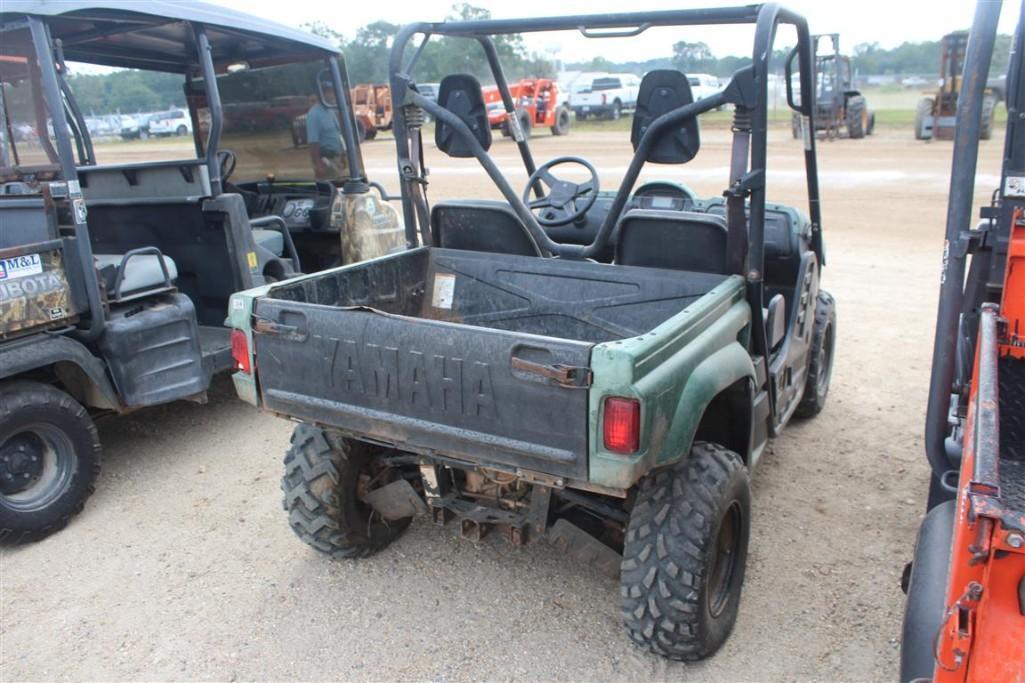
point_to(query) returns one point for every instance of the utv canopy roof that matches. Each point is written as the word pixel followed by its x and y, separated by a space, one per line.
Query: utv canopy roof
pixel 149 34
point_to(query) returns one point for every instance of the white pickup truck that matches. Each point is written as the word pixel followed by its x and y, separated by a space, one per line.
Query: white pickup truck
pixel 606 96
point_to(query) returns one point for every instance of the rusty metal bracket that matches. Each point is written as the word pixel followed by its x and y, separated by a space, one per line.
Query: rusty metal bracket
pixel 570 376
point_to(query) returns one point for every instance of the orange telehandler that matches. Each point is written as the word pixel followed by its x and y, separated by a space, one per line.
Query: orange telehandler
pixel 965 613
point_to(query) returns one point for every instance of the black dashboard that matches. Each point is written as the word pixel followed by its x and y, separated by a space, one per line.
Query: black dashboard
pixel 304 205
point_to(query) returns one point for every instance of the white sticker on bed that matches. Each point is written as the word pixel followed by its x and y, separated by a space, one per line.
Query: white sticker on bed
pixel 444 290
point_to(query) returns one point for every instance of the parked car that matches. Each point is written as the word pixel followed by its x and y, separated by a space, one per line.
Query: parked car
pixel 174 122
pixel 703 85
pixel 606 96
pixel 135 127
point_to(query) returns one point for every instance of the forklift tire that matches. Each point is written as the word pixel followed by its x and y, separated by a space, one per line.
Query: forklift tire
pixel 524 117
pixel 49 459
pixel 561 126
pixel 322 473
pixel 685 554
pixel 820 367
pixel 857 117
pixel 361 130
pixel 989 106
pixel 370 134
pixel 922 110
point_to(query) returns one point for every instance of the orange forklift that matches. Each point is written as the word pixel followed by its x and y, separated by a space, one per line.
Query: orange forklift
pixel 371 103
pixel 965 613
pixel 537 106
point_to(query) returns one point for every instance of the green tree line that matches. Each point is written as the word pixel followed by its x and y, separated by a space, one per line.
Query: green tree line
pixel 367 53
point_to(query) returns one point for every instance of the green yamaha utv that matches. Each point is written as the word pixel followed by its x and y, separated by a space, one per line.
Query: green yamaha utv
pixel 601 369
pixel 117 259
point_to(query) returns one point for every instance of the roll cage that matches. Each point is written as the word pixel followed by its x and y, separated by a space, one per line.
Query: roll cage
pixel 194 39
pixel 747 91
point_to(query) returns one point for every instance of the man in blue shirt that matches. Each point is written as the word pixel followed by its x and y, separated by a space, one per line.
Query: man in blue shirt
pixel 324 135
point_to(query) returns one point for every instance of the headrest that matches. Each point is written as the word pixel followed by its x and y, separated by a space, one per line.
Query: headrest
pixel 662 91
pixel 461 95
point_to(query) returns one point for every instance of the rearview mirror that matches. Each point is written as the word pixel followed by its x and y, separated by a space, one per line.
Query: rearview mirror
pixel 461 95
pixel 663 91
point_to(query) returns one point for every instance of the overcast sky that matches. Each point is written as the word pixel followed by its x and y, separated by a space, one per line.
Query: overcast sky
pixel 888 22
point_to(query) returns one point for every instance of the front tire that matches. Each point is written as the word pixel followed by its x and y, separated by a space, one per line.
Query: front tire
pixel 989 106
pixel 49 460
pixel 181 130
pixel 323 472
pixel 923 110
pixel 685 554
pixel 561 126
pixel 820 368
pixel 857 118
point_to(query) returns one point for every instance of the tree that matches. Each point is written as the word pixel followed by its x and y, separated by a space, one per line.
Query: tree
pixel 696 57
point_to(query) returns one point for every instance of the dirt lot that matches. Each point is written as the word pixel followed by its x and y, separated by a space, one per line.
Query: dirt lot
pixel 183 567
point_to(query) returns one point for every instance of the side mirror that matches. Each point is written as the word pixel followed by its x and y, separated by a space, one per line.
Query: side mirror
pixel 324 80
pixel 461 95
pixel 793 94
pixel 663 91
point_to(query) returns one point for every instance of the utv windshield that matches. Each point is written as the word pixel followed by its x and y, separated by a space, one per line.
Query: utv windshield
pixel 277 125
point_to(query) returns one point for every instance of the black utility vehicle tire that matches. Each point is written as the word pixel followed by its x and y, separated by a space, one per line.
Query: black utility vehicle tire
pixel 38 420
pixel 679 598
pixel 857 117
pixel 561 126
pixel 820 365
pixel 922 110
pixel 989 106
pixel 322 470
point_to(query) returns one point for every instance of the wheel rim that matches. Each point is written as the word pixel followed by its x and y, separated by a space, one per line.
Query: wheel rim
pixel 825 362
pixel 724 559
pixel 36 467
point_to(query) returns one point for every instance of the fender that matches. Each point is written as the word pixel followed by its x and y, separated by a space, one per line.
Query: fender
pixel 675 371
pixel 45 351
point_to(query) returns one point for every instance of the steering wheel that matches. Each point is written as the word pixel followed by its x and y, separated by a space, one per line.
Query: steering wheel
pixel 560 203
pixel 228 160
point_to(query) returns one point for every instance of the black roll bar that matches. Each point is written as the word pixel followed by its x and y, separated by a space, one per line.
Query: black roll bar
pixel 213 100
pixel 52 93
pixel 955 252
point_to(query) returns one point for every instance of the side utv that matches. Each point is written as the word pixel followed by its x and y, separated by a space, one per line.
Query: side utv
pixel 601 369
pixel 114 276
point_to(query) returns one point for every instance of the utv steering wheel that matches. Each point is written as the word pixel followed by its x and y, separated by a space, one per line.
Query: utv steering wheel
pixel 559 206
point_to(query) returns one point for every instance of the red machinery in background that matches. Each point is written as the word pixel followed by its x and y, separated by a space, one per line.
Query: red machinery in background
pixel 537 106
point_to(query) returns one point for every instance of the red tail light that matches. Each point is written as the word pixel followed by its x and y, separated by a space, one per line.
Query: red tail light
pixel 622 424
pixel 240 351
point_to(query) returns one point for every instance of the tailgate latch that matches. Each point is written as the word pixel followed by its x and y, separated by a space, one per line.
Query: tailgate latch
pixel 276 329
pixel 571 376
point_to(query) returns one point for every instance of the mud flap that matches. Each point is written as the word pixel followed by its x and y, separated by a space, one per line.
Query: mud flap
pixel 582 546
pixel 397 500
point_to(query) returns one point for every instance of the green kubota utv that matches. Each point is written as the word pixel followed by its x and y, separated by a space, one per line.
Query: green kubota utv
pixel 116 267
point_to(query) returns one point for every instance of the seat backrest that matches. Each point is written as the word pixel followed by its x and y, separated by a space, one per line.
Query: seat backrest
pixel 677 240
pixel 481 225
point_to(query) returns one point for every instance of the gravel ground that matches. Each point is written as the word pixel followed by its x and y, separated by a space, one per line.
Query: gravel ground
pixel 183 567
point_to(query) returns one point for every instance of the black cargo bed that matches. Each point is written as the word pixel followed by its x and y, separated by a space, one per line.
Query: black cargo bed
pixel 426 349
